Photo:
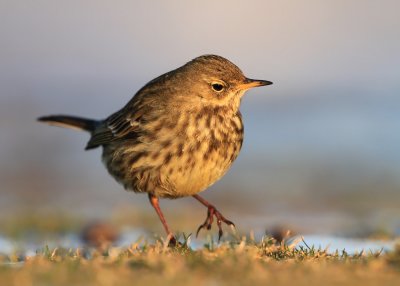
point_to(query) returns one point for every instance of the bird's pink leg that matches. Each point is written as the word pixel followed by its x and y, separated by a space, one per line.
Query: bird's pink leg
pixel 154 202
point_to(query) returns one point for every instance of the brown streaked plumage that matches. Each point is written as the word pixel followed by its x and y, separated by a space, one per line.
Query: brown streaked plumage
pixel 177 136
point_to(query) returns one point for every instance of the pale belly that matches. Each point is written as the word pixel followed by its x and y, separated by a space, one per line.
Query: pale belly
pixel 176 166
pixel 186 174
pixel 199 176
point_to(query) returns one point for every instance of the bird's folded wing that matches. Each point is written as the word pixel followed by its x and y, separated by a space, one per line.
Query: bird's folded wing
pixel 117 126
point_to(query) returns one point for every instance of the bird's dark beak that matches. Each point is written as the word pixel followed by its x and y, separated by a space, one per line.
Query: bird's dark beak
pixel 250 83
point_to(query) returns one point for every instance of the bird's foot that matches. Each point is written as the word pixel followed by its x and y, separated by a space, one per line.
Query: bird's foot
pixel 172 241
pixel 211 212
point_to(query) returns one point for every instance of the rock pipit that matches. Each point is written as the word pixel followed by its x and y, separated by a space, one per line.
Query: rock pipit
pixel 177 136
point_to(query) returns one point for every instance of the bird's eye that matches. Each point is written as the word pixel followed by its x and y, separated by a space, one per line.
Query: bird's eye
pixel 218 87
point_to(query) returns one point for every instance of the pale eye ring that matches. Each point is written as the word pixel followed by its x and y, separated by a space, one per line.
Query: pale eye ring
pixel 217 86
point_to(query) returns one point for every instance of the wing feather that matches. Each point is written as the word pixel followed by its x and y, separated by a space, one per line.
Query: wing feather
pixel 125 123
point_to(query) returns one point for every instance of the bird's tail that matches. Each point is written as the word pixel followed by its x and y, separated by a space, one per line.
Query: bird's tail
pixel 71 122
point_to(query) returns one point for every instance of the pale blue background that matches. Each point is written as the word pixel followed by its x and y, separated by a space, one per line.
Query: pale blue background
pixel 321 145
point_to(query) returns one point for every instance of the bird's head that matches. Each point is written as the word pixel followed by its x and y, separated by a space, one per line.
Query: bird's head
pixel 208 80
pixel 216 79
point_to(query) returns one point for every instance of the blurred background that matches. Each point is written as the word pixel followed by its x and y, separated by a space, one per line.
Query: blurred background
pixel 321 144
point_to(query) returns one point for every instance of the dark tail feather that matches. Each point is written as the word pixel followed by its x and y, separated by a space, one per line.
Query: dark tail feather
pixel 71 122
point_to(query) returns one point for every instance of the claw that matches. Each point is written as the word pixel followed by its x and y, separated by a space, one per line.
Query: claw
pixel 212 211
pixel 228 222
pixel 198 230
pixel 220 233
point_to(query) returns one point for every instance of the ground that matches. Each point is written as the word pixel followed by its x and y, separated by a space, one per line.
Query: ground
pixel 236 262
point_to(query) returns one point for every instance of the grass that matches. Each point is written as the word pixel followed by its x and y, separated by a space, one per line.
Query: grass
pixel 235 262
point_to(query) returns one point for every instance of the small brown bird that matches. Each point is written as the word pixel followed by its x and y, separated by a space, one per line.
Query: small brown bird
pixel 177 136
